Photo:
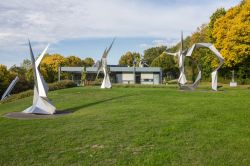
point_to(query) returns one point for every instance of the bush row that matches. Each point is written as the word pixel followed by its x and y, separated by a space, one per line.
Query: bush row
pixel 53 86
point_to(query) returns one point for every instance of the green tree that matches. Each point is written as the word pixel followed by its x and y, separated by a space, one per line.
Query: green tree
pixel 167 63
pixel 88 62
pixel 23 83
pixel 152 53
pixel 213 18
pixel 128 58
pixel 26 64
pixel 4 78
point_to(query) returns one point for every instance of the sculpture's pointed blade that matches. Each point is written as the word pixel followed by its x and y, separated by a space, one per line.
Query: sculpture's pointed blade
pixel 105 54
pixel 31 53
pixel 181 41
pixel 33 64
pixel 38 61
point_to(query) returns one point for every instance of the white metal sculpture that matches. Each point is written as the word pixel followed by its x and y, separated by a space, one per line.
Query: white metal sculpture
pixel 102 66
pixel 210 46
pixel 181 59
pixel 10 88
pixel 41 103
pixel 188 53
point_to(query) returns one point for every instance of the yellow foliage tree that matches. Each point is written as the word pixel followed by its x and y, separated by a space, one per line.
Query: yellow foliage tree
pixel 232 34
pixel 49 66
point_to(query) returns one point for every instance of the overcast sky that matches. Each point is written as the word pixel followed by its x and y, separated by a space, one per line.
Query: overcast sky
pixel 85 27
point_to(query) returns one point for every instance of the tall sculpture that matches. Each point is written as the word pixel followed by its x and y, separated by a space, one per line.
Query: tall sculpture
pixel 102 66
pixel 41 103
pixel 181 59
pixel 188 53
pixel 10 88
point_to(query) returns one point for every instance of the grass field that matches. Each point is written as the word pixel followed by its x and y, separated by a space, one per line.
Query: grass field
pixel 131 126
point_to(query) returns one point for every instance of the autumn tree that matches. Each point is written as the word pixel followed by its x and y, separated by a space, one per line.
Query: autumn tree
pixel 232 34
pixel 49 66
pixel 73 61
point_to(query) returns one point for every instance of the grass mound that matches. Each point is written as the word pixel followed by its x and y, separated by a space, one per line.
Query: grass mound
pixel 131 126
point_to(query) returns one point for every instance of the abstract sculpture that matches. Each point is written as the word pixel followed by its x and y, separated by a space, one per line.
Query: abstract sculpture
pixel 102 66
pixel 188 53
pixel 181 59
pixel 41 103
pixel 210 46
pixel 9 89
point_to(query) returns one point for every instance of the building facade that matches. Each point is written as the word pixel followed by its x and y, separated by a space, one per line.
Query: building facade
pixel 119 75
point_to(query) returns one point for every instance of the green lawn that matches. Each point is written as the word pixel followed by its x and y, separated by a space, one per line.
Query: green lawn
pixel 131 126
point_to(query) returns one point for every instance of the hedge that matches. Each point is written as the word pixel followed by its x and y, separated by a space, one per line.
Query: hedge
pixel 52 86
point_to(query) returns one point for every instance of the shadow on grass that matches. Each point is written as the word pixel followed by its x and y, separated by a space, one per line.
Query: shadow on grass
pixel 77 108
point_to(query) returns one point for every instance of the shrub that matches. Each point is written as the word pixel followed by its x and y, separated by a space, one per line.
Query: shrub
pixel 62 85
pixel 18 96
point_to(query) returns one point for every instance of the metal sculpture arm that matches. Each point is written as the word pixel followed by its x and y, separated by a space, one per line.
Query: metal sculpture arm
pixel 209 46
pixel 173 54
pixel 9 89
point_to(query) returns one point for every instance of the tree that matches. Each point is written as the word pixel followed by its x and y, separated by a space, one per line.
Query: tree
pixel 167 63
pixel 4 78
pixel 128 58
pixel 26 64
pixel 213 18
pixel 74 61
pixel 23 83
pixel 88 62
pixel 232 35
pixel 152 53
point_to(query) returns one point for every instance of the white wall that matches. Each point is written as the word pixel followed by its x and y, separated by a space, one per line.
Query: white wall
pixel 127 78
pixel 147 78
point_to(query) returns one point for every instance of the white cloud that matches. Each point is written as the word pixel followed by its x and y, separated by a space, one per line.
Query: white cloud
pixel 52 21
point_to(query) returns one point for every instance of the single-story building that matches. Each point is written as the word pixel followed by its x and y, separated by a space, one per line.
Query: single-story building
pixel 118 74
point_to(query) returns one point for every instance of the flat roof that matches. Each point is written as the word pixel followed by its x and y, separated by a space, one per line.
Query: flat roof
pixel 112 69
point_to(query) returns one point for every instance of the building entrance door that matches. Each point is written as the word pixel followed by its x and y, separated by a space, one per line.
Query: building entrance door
pixel 138 78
